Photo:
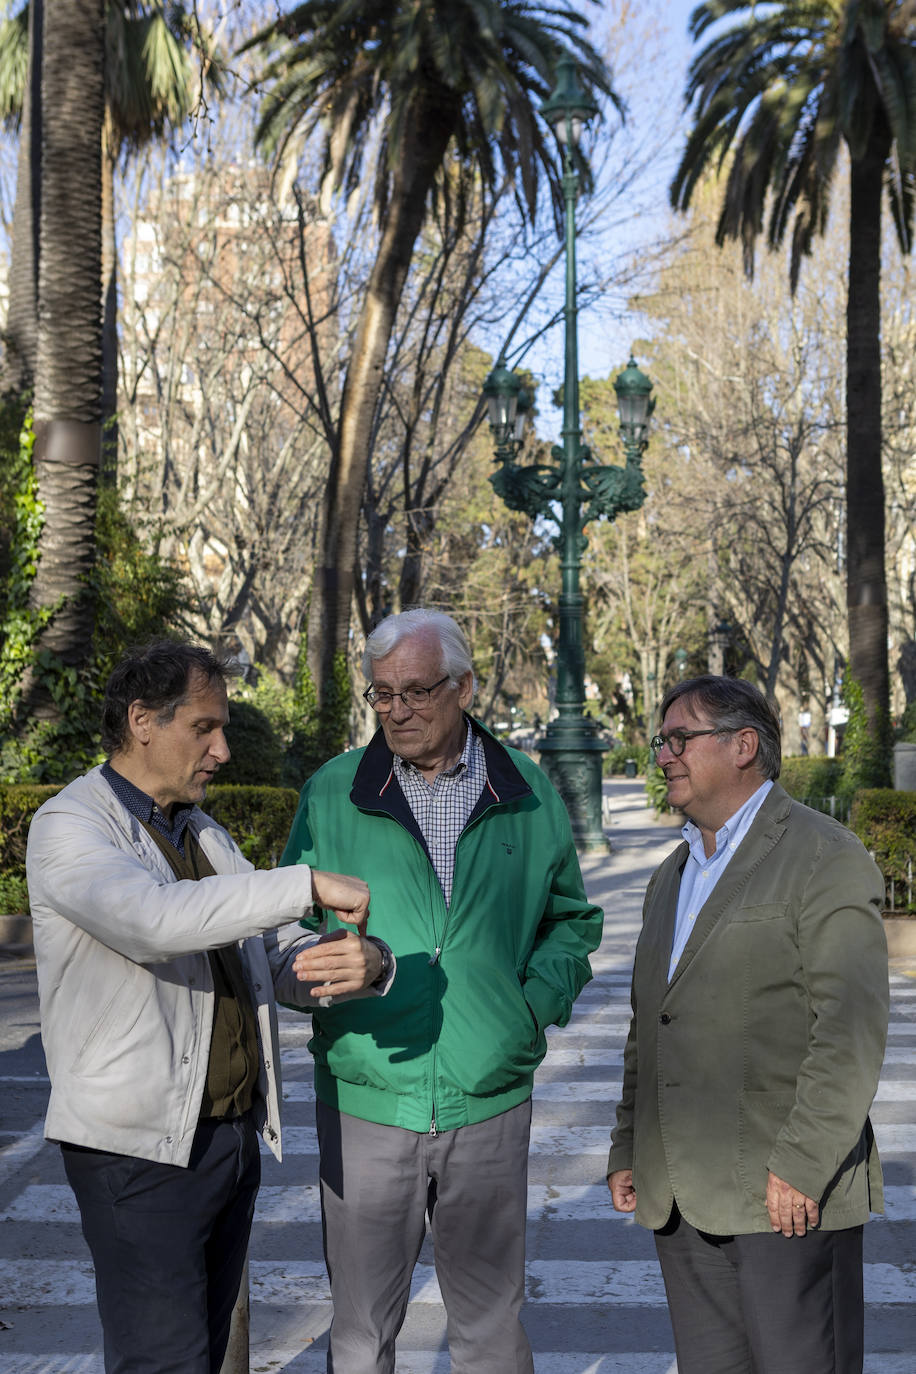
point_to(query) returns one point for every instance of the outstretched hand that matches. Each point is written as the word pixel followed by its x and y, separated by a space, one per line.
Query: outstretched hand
pixel 346 897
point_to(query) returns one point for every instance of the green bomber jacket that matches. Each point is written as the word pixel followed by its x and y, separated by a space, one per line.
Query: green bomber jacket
pixel 461 1035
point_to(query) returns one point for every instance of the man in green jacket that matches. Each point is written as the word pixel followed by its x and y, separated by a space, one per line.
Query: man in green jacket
pixel 426 1108
pixel 760 1001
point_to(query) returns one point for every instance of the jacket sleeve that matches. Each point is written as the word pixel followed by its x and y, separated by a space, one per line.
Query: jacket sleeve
pixel 282 947
pixel 843 953
pixel 77 871
pixel 570 929
pixel 300 848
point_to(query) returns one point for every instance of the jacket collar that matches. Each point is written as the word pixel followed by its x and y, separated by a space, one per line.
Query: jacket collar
pixel 375 787
pixel 766 830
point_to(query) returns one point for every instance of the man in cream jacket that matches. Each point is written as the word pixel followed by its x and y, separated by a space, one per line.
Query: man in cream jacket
pixel 160 954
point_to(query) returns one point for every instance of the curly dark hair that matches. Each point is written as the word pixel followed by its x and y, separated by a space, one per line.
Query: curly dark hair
pixel 159 675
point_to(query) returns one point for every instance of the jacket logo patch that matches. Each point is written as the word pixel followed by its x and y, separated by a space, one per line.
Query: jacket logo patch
pixel 506 847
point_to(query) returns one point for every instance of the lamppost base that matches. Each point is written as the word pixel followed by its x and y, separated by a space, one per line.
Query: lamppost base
pixel 571 751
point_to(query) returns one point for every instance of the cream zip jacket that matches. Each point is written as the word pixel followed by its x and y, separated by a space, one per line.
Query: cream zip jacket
pixel 125 987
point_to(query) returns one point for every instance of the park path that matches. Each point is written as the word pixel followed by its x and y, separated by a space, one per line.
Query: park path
pixel 595 1300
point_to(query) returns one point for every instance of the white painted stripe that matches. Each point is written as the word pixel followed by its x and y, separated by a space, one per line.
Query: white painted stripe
pixel 895 1140
pixel 563 1053
pixel 564 1283
pixel 14 1156
pixel 593 1140
pixel 54 1202
pixel 295 1360
pixel 58 1364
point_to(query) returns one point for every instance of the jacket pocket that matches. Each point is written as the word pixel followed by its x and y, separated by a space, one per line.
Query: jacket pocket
pixel 493 1038
pixel 761 1116
pixel 762 911
pixel 103 1042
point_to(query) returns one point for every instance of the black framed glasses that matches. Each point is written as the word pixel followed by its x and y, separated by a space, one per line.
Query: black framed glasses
pixel 413 697
pixel 676 740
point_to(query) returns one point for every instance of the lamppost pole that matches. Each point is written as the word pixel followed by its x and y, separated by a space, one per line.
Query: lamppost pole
pixel 570 492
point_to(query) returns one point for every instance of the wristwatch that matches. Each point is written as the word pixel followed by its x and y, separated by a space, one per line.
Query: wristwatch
pixel 387 964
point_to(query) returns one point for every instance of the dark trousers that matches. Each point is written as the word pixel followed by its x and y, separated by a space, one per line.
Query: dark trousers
pixel 168 1245
pixel 764 1303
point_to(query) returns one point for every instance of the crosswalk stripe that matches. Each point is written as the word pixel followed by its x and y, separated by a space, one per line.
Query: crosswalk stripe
pixel 294 1203
pixel 576 1283
pixel 893 1139
pixel 295 1360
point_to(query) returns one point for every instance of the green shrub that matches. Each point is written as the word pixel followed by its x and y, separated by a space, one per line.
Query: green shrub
pixel 18 804
pixel 257 752
pixel 811 778
pixel 866 752
pixel 14 894
pixel 657 790
pixel 257 818
pixel 885 822
pixel 615 760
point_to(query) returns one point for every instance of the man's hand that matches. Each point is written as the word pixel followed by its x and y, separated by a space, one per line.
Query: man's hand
pixel 341 962
pixel 623 1194
pixel 348 898
pixel 791 1212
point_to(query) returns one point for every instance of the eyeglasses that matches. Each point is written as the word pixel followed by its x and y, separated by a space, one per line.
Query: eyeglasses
pixel 413 697
pixel 676 740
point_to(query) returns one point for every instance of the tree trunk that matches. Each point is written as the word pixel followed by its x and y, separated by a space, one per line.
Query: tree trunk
pixel 21 334
pixel 109 470
pixel 332 591
pixel 69 360
pixel 866 588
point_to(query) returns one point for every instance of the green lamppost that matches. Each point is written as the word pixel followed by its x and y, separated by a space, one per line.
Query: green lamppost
pixel 570 491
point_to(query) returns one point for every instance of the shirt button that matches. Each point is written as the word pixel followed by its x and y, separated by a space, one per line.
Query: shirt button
pixel 665 1018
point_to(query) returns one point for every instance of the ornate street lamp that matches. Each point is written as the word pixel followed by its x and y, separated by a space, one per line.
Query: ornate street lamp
pixel 571 491
pixel 719 639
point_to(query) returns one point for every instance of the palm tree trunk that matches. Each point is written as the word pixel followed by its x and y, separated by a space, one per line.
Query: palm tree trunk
pixel 21 333
pixel 109 470
pixel 866 587
pixel 69 361
pixel 333 588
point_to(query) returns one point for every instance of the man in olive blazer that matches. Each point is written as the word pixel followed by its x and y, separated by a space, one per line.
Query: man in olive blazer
pixel 760 1004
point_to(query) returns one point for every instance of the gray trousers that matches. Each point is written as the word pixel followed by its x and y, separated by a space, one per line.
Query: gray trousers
pixel 378 1184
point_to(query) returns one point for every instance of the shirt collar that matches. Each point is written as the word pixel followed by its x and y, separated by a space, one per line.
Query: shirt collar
pixel 141 805
pixel 462 766
pixel 736 826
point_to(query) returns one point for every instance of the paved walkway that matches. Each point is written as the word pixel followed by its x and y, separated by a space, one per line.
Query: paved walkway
pixel 595 1301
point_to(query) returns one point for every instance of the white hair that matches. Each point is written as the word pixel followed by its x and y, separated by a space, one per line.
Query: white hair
pixel 388 634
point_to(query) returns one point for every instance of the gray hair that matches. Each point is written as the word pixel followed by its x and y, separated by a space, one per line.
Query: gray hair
pixel 389 633
pixel 731 703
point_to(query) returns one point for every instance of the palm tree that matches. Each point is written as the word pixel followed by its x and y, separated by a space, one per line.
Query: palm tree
pixel 412 86
pixel 68 372
pixel 150 86
pixel 786 87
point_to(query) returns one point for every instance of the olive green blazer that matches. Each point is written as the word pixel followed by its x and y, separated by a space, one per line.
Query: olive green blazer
pixel 763 1052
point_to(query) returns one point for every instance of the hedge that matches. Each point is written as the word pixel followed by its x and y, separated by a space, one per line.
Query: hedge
pixel 811 777
pixel 257 818
pixel 885 822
